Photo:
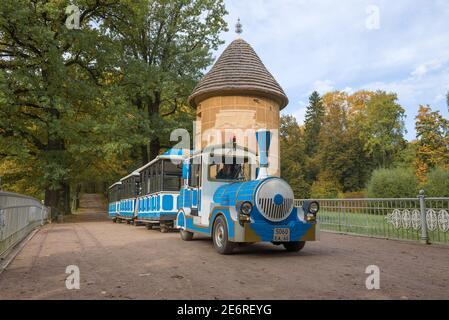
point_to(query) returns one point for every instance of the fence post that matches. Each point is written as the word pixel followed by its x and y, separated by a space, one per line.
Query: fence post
pixel 422 205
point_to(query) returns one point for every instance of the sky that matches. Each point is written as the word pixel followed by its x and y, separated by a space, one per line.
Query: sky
pixel 397 46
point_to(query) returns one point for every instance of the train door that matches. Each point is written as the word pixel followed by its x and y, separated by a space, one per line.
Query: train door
pixel 194 188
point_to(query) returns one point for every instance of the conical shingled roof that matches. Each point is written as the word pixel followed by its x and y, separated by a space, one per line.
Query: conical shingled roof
pixel 238 71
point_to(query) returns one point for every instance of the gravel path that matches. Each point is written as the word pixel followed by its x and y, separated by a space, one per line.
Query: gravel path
pixel 119 261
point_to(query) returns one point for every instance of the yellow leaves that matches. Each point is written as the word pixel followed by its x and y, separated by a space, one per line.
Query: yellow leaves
pixel 432 147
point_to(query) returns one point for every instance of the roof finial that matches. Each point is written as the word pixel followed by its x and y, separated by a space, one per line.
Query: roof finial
pixel 238 28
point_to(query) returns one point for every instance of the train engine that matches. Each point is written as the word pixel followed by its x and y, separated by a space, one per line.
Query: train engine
pixel 230 198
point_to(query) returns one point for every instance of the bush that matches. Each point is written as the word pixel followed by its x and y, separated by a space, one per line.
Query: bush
pixel 326 187
pixel 393 183
pixel 437 183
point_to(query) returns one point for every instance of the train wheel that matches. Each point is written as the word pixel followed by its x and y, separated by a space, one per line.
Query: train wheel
pixel 220 237
pixel 186 235
pixel 294 246
pixel 164 228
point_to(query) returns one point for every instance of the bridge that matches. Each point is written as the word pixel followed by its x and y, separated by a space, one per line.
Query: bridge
pixel 118 261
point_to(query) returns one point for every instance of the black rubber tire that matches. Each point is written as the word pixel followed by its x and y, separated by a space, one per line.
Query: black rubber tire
pixel 149 226
pixel 220 231
pixel 186 235
pixel 164 228
pixel 114 220
pixel 294 246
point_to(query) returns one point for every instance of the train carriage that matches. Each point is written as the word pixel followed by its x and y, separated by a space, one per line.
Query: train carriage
pixel 114 200
pixel 160 185
pixel 129 191
pixel 228 197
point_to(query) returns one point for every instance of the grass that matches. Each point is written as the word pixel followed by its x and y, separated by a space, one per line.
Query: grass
pixel 373 225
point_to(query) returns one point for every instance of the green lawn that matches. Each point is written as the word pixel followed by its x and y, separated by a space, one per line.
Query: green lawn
pixel 373 225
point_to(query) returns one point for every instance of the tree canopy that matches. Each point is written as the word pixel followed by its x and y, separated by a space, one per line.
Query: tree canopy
pixel 81 104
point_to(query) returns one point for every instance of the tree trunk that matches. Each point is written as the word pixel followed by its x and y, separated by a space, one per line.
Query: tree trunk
pixel 155 148
pixel 78 192
pixel 52 200
pixel 153 110
pixel 65 197
pixel 144 152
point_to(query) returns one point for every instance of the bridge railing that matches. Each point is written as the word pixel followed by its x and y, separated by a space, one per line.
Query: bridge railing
pixel 420 219
pixel 19 215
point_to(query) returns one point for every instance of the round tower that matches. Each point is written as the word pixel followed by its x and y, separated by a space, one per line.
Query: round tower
pixel 237 97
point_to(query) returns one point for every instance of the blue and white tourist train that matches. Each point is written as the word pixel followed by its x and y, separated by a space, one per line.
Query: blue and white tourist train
pixel 129 190
pixel 228 197
pixel 114 200
pixel 160 182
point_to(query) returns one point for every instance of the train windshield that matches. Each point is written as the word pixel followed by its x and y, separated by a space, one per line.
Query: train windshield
pixel 231 169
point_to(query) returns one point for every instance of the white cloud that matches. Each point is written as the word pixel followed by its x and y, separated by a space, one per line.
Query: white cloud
pixel 323 86
pixel 324 44
pixel 299 112
pixel 429 66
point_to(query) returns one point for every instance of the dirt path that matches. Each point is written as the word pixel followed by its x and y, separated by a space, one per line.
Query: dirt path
pixel 119 261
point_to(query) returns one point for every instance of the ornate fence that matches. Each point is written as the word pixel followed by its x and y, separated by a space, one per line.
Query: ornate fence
pixel 19 215
pixel 420 218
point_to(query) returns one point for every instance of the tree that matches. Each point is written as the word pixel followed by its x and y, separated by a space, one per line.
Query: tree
pixel 383 129
pixel 326 186
pixel 433 141
pixel 312 124
pixel 51 80
pixel 293 162
pixel 165 44
pixel 340 151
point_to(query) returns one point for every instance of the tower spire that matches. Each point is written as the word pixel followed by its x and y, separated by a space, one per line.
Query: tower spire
pixel 238 28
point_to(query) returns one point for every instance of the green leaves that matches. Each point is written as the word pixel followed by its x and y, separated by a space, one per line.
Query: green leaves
pixel 78 105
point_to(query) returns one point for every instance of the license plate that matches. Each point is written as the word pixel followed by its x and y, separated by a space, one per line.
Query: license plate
pixel 281 235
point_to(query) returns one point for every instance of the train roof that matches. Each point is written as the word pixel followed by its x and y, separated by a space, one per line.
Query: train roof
pixel 134 174
pixel 221 147
pixel 172 154
pixel 115 184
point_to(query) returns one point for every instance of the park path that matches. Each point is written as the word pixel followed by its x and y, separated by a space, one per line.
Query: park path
pixel 119 261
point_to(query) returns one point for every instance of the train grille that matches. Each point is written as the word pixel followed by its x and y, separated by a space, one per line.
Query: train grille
pixel 274 212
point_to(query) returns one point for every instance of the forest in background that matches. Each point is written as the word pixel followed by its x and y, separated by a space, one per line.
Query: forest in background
pixel 353 145
pixel 85 106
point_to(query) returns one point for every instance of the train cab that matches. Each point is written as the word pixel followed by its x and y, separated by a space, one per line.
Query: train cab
pixel 228 195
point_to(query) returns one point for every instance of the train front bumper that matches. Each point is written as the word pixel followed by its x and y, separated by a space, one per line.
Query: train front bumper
pixel 290 232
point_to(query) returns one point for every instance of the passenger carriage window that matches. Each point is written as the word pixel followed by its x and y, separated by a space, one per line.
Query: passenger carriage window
pixel 172 176
pixel 195 175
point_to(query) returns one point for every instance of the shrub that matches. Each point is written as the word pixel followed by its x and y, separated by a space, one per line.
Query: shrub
pixel 437 183
pixel 393 183
pixel 326 187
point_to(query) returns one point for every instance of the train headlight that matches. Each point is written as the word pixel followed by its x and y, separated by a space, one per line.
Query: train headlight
pixel 311 209
pixel 314 207
pixel 246 208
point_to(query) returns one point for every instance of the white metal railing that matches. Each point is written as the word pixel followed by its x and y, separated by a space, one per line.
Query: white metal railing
pixel 420 218
pixel 19 215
